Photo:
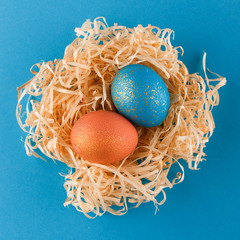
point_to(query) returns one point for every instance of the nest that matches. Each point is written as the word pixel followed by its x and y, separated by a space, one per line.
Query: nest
pixel 63 90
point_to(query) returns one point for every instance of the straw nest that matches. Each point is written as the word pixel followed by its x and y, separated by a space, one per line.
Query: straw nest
pixel 63 90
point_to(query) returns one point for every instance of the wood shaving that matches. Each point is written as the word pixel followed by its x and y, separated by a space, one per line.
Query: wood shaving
pixel 63 90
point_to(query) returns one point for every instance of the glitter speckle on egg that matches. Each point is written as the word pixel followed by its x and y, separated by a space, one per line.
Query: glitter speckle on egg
pixel 103 137
pixel 141 95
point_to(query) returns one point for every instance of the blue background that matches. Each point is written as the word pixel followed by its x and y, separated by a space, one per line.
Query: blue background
pixel 204 206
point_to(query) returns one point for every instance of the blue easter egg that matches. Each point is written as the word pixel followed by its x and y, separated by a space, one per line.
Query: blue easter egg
pixel 141 95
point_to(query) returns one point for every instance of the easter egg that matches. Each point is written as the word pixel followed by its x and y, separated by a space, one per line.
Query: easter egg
pixel 141 95
pixel 103 137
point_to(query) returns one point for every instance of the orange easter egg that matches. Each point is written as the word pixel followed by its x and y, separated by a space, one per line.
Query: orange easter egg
pixel 103 137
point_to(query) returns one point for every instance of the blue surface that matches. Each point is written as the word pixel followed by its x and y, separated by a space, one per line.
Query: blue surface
pixel 204 206
pixel 141 95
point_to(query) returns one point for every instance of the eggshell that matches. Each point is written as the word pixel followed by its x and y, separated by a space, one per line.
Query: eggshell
pixel 141 95
pixel 103 137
